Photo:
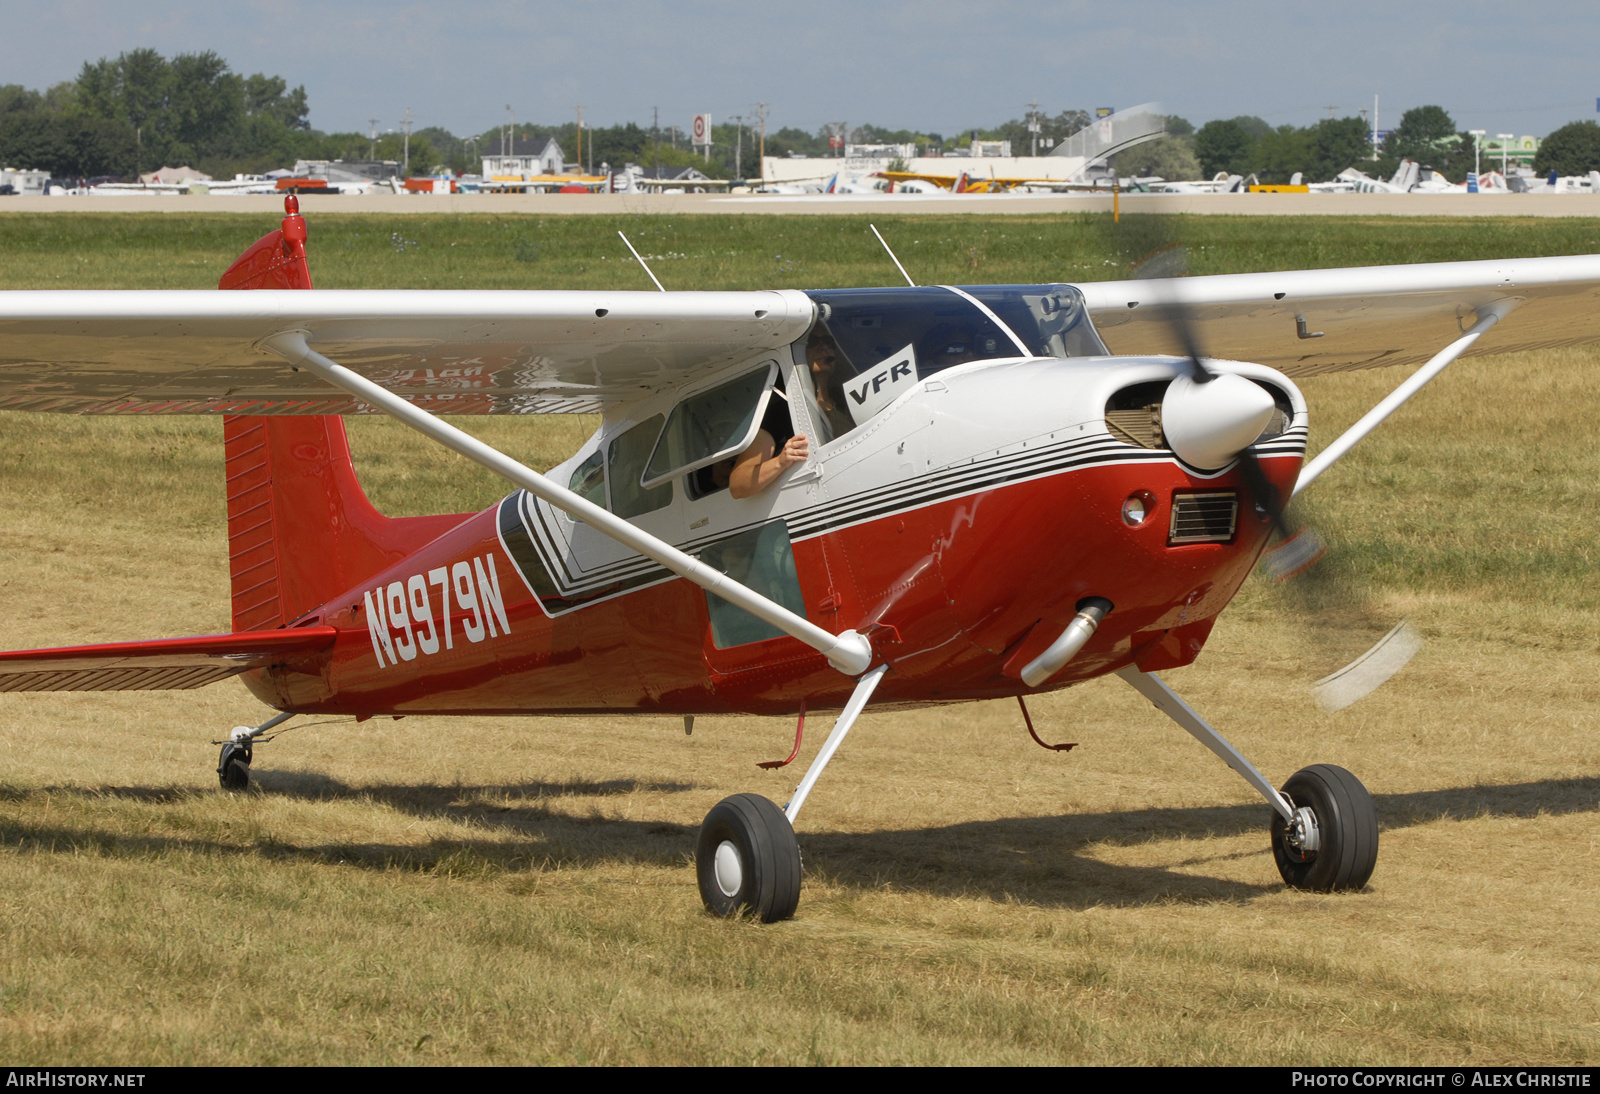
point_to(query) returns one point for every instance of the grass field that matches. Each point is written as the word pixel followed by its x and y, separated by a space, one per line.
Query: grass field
pixel 520 890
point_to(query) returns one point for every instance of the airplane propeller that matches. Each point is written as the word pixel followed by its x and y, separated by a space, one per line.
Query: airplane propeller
pixel 1209 419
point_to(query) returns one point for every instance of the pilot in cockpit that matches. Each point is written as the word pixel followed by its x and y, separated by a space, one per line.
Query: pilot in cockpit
pixel 949 345
pixel 822 359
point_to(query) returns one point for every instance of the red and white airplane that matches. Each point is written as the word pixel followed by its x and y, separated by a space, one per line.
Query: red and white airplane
pixel 992 504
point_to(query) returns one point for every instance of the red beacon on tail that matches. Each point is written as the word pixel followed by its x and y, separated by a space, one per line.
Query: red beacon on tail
pixel 990 502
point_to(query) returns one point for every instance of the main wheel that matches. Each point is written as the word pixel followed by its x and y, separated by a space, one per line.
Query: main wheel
pixel 748 860
pixel 233 766
pixel 1346 831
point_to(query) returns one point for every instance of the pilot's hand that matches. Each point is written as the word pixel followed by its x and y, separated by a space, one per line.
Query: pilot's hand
pixel 795 450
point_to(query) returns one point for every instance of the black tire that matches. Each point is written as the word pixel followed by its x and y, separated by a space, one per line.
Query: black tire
pixel 1348 823
pixel 765 863
pixel 233 766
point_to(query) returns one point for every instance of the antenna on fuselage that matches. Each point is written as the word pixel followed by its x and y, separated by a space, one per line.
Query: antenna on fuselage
pixel 647 268
pixel 892 258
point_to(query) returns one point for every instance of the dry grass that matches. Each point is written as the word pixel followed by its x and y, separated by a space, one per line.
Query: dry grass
pixel 519 890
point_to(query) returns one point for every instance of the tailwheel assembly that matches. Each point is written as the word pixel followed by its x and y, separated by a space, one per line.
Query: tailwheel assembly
pixel 1332 843
pixel 233 766
pixel 748 860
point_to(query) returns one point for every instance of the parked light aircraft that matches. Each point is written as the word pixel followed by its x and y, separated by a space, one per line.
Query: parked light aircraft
pixel 540 184
pixel 993 504
pixel 959 183
pixel 237 185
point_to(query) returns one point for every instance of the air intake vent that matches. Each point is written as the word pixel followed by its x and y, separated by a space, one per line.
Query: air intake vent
pixel 1203 518
pixel 1141 427
pixel 1133 415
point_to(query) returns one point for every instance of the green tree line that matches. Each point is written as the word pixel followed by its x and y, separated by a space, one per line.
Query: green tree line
pixel 129 115
pixel 140 111
pixel 1427 134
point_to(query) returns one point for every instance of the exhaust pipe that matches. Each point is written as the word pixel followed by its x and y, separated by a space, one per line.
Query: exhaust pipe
pixel 1091 611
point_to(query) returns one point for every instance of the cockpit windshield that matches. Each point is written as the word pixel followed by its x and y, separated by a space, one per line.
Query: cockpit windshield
pixel 1050 319
pixel 870 345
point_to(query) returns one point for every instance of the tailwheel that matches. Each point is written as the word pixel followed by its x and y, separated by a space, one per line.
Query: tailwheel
pixel 1333 842
pixel 233 766
pixel 748 860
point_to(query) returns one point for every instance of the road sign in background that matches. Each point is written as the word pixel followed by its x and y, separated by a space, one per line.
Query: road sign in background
pixel 701 130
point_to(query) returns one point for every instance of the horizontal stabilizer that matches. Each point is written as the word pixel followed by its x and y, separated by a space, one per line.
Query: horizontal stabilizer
pixel 165 664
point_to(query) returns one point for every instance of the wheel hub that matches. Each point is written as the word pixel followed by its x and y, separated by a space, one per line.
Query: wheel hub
pixel 1304 836
pixel 727 868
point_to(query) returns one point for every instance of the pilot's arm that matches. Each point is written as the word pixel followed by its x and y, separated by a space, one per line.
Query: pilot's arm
pixel 759 466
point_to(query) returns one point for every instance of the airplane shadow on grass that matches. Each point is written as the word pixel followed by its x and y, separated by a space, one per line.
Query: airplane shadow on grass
pixel 1036 860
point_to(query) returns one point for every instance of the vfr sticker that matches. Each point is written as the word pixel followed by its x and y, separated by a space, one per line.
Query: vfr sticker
pixel 402 621
pixel 881 385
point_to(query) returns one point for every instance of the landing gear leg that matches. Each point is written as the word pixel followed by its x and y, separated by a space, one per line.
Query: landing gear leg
pixel 747 858
pixel 1324 824
pixel 233 765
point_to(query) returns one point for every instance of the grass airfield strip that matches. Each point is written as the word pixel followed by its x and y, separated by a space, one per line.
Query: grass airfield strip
pixel 520 890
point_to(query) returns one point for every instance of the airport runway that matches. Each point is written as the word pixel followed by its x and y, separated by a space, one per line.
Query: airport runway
pixel 1435 205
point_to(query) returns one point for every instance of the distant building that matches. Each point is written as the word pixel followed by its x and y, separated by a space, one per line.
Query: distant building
pixel 524 159
pixel 23 182
pixel 880 151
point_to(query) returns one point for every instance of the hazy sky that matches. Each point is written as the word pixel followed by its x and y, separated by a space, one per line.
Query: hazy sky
pixel 938 65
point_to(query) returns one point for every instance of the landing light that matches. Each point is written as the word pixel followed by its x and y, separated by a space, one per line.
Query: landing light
pixel 1136 509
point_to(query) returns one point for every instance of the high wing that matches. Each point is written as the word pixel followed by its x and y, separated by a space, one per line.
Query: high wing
pixel 164 664
pixel 1304 322
pixel 509 352
pixel 458 352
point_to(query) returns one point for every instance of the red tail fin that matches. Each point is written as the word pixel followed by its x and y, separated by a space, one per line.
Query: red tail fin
pixel 300 528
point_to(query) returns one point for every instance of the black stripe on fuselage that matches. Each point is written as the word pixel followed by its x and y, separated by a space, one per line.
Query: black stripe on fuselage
pixel 540 551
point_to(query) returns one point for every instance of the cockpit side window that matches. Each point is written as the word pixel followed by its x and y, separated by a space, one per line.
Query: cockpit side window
pixel 711 425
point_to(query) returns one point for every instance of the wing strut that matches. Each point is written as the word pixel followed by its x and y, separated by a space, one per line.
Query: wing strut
pixel 848 651
pixel 1487 317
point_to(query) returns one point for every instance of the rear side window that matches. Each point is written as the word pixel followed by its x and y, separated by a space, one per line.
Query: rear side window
pixel 627 455
pixel 589 480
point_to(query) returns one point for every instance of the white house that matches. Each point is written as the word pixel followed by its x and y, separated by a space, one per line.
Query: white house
pixel 23 182
pixel 525 159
